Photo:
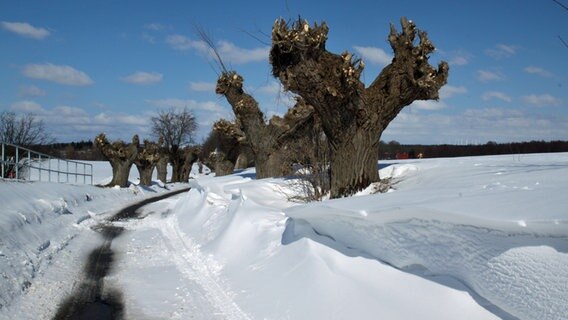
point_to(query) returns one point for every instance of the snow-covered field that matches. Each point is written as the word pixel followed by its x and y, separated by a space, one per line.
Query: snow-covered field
pixel 463 238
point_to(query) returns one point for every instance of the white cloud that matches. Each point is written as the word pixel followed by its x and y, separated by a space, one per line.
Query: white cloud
pixel 541 100
pixel 26 30
pixel 449 91
pixel 484 75
pixel 233 54
pixel 459 61
pixel 446 92
pixel 428 105
pixel 27 106
pixel 67 123
pixel 501 51
pixel 57 73
pixel 143 78
pixel 229 52
pixel 156 27
pixel 374 55
pixel 492 113
pixel 496 95
pixel 192 105
pixel 475 126
pixel 124 119
pixel 272 88
pixel 182 43
pixel 148 38
pixel 202 86
pixel 538 71
pixel 31 91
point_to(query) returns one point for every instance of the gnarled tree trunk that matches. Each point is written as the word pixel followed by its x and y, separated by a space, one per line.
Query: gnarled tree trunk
pixel 182 160
pixel 353 117
pixel 228 136
pixel 191 156
pixel 162 167
pixel 221 165
pixel 146 161
pixel 265 140
pixel 121 157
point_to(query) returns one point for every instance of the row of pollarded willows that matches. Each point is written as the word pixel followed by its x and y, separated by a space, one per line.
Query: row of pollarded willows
pixel 174 129
pixel 146 158
pixel 330 92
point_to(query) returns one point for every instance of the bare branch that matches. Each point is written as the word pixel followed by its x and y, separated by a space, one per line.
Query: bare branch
pixel 564 42
pixel 209 42
pixel 561 4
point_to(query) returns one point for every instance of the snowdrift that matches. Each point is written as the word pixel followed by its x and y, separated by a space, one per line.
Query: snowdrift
pixel 488 234
pixel 496 224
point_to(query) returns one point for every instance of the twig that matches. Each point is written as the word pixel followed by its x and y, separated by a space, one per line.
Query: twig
pixel 561 4
pixel 564 42
pixel 207 39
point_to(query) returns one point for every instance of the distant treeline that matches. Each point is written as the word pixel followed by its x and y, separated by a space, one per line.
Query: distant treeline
pixel 85 150
pixel 82 150
pixel 393 149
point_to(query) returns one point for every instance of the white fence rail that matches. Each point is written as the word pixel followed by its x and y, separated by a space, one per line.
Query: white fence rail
pixel 24 164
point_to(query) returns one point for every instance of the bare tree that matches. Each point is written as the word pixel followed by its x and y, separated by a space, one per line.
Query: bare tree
pixel 25 130
pixel 176 128
pixel 121 157
pixel 353 117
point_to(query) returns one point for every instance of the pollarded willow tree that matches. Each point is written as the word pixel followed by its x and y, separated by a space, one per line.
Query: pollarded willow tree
pixel 146 159
pixel 121 157
pixel 353 116
pixel 229 137
pixel 182 160
pixel 267 140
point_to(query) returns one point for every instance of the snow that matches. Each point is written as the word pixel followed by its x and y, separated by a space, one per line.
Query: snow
pixel 463 238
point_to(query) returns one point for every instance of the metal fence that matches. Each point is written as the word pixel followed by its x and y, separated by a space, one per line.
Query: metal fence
pixel 21 163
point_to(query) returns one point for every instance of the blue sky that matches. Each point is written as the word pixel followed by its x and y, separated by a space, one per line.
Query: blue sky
pixel 86 67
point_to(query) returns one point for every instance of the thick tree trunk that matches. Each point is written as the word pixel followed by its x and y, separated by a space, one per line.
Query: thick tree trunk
pixel 268 165
pixel 223 167
pixel 242 161
pixel 145 173
pixel 190 159
pixel 162 168
pixel 176 160
pixel 120 173
pixel 354 164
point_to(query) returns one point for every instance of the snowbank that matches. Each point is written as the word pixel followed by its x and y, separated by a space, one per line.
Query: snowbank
pixel 497 224
pixel 38 223
pixel 240 227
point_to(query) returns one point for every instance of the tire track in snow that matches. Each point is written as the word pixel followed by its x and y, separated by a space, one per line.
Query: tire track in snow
pixel 195 266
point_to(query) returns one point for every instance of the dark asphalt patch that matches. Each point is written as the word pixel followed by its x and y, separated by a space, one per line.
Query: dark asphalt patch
pixel 90 300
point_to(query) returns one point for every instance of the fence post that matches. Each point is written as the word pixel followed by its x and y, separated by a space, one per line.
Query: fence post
pixel 2 160
pixel 17 164
pixel 39 170
pixel 29 166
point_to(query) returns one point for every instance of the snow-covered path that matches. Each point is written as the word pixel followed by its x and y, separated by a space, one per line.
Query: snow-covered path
pixel 157 258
